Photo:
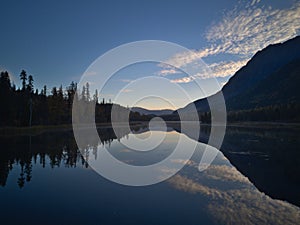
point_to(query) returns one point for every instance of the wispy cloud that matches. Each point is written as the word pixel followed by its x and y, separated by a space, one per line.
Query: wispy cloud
pixel 244 32
pixel 219 69
pixel 241 33
pixel 254 2
pixel 183 80
pixel 224 69
pixel 182 59
pixel 168 71
pixel 127 90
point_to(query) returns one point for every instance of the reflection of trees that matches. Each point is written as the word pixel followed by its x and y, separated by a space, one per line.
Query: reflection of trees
pixel 106 136
pixel 54 149
pixel 269 157
pixel 24 151
pixel 204 131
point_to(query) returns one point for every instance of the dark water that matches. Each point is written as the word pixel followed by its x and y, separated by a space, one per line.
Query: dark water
pixel 45 180
pixel 269 157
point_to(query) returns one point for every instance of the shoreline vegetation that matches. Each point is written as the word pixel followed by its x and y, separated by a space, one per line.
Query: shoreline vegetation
pixel 39 129
pixel 32 111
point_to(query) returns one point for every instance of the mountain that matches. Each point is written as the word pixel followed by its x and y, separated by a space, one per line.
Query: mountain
pixel 271 78
pixel 143 111
pixel 263 64
pixel 280 87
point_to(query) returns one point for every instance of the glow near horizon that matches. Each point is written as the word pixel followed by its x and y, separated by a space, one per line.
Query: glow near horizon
pixel 241 33
pixel 232 34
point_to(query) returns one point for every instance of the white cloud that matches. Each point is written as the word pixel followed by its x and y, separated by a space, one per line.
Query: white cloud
pixel 224 69
pixel 165 72
pixel 220 69
pixel 183 80
pixel 241 32
pixel 127 90
pixel 244 32
pixel 182 59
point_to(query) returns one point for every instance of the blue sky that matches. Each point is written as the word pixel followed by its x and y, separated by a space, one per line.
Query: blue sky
pixel 56 41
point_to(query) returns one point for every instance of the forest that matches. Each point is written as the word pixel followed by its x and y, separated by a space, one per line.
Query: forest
pixel 26 106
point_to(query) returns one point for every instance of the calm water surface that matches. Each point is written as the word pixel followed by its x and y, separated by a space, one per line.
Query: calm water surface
pixel 45 180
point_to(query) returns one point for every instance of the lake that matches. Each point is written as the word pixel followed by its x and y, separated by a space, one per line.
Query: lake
pixel 44 179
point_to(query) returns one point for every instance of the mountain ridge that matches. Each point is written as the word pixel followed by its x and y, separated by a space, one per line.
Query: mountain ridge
pixel 250 86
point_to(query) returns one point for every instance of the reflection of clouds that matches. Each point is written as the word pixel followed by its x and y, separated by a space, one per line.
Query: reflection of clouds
pixel 189 185
pixel 125 150
pixel 225 173
pixel 243 205
pixel 166 171
pixel 185 162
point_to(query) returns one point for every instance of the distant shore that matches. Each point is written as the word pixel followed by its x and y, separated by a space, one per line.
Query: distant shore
pixel 264 124
pixel 38 129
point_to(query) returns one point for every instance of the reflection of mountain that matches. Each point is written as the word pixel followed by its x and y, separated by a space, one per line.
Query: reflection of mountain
pixel 233 199
pixel 218 195
pixel 268 84
pixel 268 157
pixel 256 153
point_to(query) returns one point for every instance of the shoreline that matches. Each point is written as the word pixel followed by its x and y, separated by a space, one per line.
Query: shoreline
pixel 38 129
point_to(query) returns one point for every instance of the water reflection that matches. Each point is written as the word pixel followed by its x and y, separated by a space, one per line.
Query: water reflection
pixel 25 151
pixel 232 198
pixel 220 194
pixel 270 157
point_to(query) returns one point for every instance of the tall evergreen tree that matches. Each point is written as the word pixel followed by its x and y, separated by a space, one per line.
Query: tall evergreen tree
pixel 23 77
pixel 87 87
pixel 83 93
pixel 45 90
pixel 95 98
pixel 30 84
pixel 5 81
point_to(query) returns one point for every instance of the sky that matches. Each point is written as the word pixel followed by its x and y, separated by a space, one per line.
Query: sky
pixel 57 41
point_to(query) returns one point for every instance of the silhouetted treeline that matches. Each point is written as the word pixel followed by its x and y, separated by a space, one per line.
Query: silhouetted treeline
pixel 25 106
pixel 274 113
pixel 204 117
